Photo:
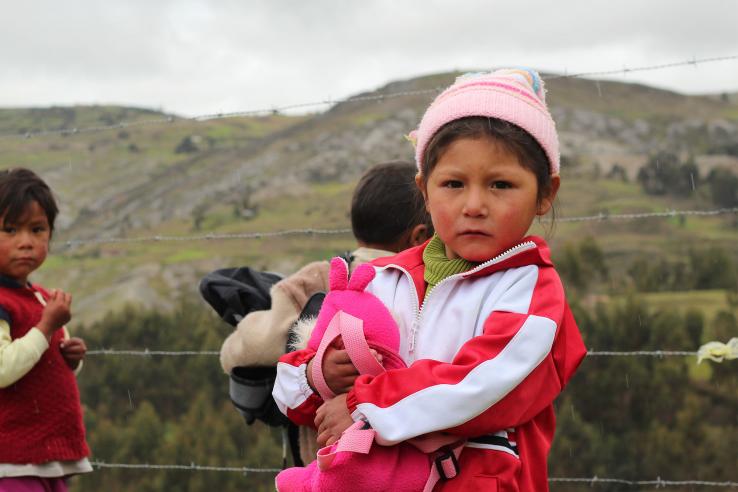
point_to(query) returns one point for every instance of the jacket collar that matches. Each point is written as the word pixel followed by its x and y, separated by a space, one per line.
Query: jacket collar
pixel 531 250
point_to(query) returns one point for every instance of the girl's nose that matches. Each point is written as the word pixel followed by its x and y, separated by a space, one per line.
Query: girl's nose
pixel 475 205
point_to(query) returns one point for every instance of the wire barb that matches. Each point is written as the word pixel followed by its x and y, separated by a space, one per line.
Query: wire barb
pixel 327 102
pixel 320 232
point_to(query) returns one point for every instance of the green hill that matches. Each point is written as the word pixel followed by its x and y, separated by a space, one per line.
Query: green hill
pixel 182 177
pixel 140 200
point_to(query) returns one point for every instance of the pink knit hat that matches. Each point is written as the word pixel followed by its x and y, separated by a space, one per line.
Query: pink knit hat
pixel 513 95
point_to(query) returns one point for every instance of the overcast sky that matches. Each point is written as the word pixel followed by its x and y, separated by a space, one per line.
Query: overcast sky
pixel 195 57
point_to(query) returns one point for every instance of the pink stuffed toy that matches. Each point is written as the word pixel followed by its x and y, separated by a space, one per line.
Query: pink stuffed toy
pixel 355 462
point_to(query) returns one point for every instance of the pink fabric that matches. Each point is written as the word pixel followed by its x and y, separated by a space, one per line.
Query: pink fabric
pixel 512 95
pixel 350 329
pixel 33 484
pixel 356 461
pixel 380 329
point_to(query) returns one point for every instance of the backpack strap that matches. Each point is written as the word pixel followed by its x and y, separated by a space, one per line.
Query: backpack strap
pixel 356 439
pixel 445 466
pixel 350 329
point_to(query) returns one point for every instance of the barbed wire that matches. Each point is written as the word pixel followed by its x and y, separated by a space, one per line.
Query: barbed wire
pixel 625 70
pixel 208 237
pixel 658 482
pixel 319 232
pixel 146 352
pixel 609 353
pixel 326 102
pixel 190 467
pixel 645 215
pixel 638 353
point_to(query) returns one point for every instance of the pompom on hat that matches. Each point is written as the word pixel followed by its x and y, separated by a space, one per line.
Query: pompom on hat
pixel 513 95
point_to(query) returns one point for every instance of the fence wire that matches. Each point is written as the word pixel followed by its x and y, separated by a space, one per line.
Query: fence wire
pixel 658 482
pixel 174 353
pixel 328 102
pixel 322 232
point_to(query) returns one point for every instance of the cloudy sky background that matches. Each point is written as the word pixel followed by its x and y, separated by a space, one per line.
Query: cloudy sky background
pixel 195 57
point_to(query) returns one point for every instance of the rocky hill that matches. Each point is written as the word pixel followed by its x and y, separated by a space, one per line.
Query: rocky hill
pixel 142 174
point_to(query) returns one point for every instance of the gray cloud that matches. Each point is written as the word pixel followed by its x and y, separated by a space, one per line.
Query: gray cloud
pixel 197 57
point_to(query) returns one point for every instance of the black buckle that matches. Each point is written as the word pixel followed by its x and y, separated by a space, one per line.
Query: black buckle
pixel 439 464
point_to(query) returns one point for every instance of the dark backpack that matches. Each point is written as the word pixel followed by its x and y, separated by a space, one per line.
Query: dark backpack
pixel 233 293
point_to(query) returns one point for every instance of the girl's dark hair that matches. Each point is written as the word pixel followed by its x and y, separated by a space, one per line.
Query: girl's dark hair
pixel 19 188
pixel 512 137
pixel 387 203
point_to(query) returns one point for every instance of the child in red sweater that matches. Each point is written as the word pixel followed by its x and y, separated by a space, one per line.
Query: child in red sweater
pixel 41 429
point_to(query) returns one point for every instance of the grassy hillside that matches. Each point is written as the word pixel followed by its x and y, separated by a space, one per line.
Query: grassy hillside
pixel 638 284
pixel 259 174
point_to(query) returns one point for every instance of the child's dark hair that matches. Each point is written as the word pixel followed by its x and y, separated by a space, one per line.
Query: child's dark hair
pixel 512 137
pixel 387 203
pixel 19 188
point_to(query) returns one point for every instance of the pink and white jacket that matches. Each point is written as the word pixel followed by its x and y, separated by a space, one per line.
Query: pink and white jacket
pixel 488 351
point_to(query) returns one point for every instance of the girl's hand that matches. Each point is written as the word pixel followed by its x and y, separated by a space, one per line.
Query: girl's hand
pixel 73 351
pixel 338 370
pixel 331 419
pixel 56 313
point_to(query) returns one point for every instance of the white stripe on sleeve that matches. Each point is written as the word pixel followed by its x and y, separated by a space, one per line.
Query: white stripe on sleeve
pixel 444 406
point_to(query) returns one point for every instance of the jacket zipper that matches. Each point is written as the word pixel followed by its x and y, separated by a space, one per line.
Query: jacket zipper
pixel 527 245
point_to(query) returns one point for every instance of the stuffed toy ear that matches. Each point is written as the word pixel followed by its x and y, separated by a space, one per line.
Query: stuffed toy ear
pixel 361 277
pixel 339 274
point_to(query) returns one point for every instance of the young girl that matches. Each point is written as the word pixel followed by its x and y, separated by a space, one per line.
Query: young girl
pixel 485 328
pixel 41 432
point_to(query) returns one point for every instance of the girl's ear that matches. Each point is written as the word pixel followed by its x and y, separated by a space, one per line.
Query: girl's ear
pixel 420 182
pixel 547 201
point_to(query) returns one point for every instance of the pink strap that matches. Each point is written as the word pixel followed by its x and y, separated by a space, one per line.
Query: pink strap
pixel 355 439
pixel 354 339
pixel 448 463
pixel 331 332
pixel 351 330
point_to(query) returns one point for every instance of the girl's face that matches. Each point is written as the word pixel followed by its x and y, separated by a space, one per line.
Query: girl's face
pixel 481 199
pixel 24 246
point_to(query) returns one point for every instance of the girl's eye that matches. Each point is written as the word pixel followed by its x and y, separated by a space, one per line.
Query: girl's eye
pixel 39 230
pixel 452 184
pixel 8 229
pixel 501 185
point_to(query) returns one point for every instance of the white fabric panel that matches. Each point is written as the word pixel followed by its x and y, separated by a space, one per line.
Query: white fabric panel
pixel 514 291
pixel 289 388
pixel 445 405
pixel 454 312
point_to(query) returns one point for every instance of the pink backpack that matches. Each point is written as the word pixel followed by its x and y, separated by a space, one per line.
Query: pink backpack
pixel 356 462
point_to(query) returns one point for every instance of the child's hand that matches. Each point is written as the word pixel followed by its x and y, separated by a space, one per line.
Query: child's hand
pixel 338 370
pixel 331 419
pixel 56 313
pixel 73 351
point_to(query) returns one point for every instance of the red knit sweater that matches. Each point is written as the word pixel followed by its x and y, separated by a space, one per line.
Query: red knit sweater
pixel 40 414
